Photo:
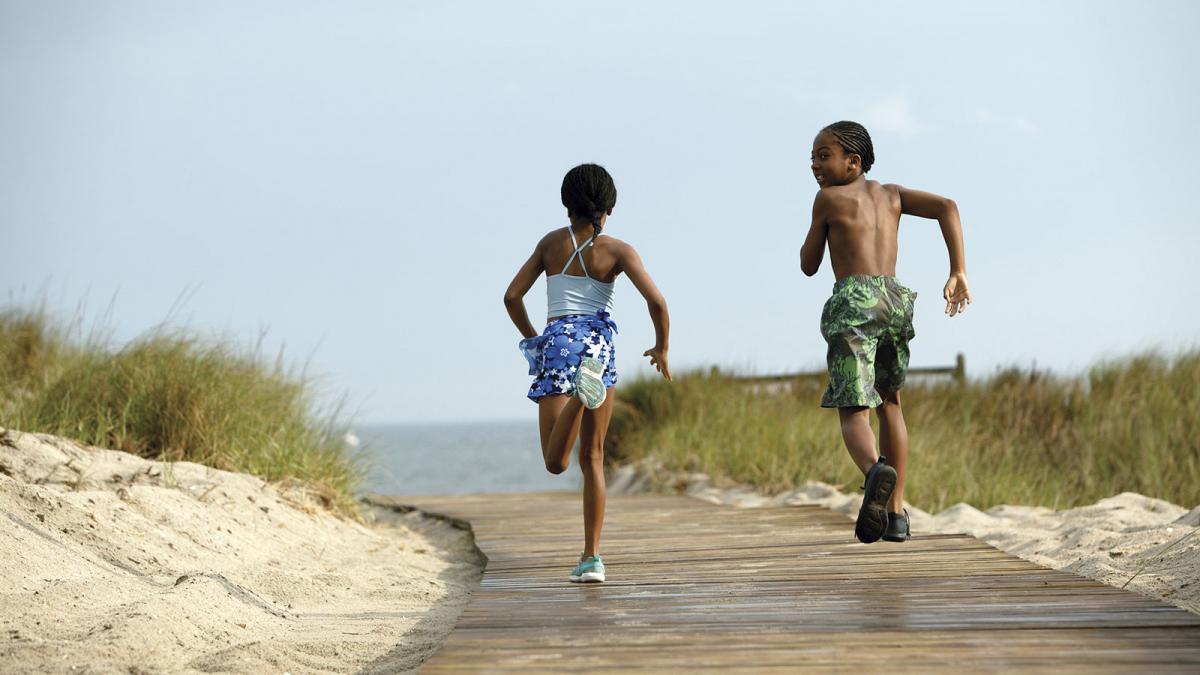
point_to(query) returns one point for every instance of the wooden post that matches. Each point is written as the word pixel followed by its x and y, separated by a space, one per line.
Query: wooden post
pixel 960 368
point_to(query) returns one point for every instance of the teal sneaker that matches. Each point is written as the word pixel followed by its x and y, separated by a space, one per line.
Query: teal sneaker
pixel 589 383
pixel 589 570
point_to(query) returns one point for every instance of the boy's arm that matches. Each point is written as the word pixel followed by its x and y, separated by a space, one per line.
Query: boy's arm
pixel 514 297
pixel 631 264
pixel 813 250
pixel 945 211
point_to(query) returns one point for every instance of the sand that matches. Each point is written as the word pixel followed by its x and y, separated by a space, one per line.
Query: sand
pixel 112 563
pixel 1147 545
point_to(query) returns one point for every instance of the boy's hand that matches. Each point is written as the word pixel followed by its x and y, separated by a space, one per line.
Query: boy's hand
pixel 658 359
pixel 956 293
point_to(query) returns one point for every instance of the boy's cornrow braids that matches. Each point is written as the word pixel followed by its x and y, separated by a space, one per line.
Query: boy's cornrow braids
pixel 854 139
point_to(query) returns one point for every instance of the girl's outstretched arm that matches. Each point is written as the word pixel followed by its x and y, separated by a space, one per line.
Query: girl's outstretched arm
pixel 631 264
pixel 945 211
pixel 514 297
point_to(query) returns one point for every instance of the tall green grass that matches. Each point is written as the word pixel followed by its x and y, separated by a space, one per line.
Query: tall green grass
pixel 169 395
pixel 1026 437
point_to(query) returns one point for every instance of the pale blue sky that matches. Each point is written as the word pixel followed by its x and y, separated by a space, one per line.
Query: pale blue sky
pixel 363 179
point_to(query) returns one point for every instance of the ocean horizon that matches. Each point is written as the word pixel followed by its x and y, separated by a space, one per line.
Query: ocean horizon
pixel 437 458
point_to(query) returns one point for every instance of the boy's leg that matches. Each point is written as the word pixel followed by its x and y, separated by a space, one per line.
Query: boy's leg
pixel 891 369
pixel 893 441
pixel 859 438
pixel 872 520
pixel 591 462
pixel 852 391
pixel 559 417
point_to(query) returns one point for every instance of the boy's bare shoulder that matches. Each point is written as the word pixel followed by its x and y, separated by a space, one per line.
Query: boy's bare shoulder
pixel 825 197
pixel 833 196
pixel 853 190
pixel 892 190
pixel 837 201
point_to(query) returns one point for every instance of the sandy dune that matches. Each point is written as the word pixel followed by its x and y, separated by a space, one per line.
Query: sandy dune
pixel 112 563
pixel 1149 544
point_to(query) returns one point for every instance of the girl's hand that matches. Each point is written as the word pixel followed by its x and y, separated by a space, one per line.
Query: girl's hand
pixel 658 359
pixel 956 293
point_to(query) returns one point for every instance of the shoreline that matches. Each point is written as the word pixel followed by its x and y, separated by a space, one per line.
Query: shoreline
pixel 1143 544
pixel 117 563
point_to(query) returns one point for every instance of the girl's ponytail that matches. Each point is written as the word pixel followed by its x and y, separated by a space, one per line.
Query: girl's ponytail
pixel 589 190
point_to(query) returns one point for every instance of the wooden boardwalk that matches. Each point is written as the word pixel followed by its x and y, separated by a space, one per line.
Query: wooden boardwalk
pixel 696 586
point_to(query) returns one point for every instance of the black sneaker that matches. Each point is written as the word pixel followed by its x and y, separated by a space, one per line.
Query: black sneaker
pixel 897 528
pixel 872 517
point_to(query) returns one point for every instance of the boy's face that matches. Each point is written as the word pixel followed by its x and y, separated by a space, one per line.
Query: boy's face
pixel 830 163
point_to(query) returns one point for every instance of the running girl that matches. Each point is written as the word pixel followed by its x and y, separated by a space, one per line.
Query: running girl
pixel 573 361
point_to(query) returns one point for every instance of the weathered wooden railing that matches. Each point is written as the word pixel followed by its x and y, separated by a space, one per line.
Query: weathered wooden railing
pixel 958 372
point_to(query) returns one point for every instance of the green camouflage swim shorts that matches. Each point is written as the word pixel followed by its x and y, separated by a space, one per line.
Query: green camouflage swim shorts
pixel 867 323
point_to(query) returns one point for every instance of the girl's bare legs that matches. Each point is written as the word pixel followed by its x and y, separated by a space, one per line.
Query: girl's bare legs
pixel 559 417
pixel 859 437
pixel 591 462
pixel 893 440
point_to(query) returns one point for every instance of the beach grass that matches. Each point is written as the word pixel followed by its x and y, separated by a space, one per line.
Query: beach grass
pixel 1016 437
pixel 174 396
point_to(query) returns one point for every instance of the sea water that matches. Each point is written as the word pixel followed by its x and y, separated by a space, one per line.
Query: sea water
pixel 457 458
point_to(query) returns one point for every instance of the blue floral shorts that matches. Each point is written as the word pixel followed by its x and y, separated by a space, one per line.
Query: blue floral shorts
pixel 554 355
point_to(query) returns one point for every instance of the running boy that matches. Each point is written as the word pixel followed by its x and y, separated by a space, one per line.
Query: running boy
pixel 868 320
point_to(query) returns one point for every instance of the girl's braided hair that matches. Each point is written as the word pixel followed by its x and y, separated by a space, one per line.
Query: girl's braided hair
pixel 589 192
pixel 855 140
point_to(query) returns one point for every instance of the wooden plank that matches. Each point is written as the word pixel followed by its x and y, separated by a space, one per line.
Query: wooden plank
pixel 696 586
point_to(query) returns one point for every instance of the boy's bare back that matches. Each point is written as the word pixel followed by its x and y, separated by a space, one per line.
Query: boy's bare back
pixel 862 220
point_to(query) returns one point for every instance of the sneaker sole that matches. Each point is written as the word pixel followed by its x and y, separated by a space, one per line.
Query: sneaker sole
pixel 872 517
pixel 594 401
pixel 589 384
pixel 587 578
pixel 899 540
